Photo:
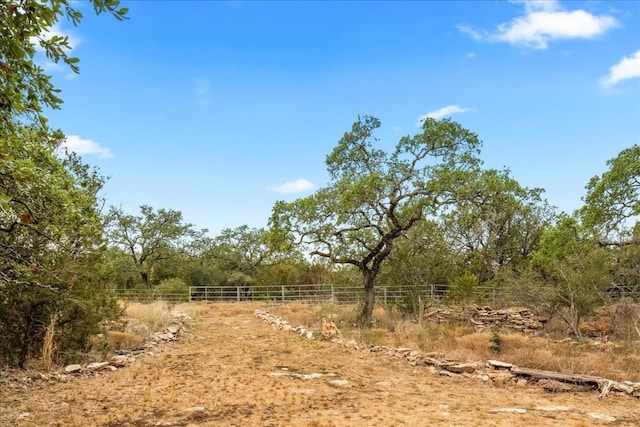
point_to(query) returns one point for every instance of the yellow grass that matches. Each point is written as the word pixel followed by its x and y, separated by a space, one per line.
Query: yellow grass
pixel 124 340
pixel 156 315
pixel 460 342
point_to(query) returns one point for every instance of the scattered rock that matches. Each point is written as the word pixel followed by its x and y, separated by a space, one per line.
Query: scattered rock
pixel 195 409
pixel 23 416
pixel 602 417
pixel 498 364
pixel 70 369
pixel 460 368
pixel 508 411
pixel 97 365
pixel 553 408
pixel 339 383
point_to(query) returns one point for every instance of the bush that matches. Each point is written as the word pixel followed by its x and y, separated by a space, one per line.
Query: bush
pixel 463 289
pixel 173 288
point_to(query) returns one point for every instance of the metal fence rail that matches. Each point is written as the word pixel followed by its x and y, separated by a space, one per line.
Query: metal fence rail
pixel 313 293
pixel 334 293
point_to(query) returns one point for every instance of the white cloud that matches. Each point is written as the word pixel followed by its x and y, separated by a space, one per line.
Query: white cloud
pixel 82 146
pixel 471 55
pixel 627 68
pixel 443 112
pixel 297 186
pixel 544 21
pixel 202 86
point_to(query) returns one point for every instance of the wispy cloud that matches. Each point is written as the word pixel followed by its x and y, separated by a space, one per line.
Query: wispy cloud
pixel 202 90
pixel 443 112
pixel 544 21
pixel 297 186
pixel 627 68
pixel 202 87
pixel 82 146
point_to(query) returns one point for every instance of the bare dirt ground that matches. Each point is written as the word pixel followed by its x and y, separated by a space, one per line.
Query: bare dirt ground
pixel 232 369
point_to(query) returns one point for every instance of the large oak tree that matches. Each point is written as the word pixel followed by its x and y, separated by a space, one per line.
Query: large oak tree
pixel 374 196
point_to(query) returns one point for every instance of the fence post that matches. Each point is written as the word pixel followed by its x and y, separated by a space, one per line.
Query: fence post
pixel 432 291
pixel 384 290
pixel 282 293
pixel 237 293
pixel 190 293
pixel 333 295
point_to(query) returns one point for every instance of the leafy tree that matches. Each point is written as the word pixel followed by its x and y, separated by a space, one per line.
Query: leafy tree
pixel 240 249
pixel 49 223
pixel 611 214
pixel 118 269
pixel 497 224
pixel 374 197
pixel 50 235
pixel 573 272
pixel 25 88
pixel 150 238
pixel 421 259
pixel 612 203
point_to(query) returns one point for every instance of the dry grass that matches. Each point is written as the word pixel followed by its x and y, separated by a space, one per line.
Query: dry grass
pixel 617 361
pixel 48 345
pixel 124 340
pixel 225 366
pixel 156 316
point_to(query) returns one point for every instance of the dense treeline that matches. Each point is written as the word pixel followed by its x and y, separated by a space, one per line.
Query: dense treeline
pixel 425 213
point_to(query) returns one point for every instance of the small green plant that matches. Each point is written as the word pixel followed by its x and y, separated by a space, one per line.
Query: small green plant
pixel 462 289
pixel 495 342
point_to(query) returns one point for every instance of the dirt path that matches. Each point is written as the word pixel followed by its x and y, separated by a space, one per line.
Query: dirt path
pixel 232 369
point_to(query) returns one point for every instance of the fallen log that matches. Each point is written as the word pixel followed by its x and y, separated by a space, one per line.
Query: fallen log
pixel 603 384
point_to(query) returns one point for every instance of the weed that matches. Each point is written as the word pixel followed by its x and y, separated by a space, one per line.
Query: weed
pixel 495 342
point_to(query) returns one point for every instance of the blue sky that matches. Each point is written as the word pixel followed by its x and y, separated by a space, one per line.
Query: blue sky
pixel 219 109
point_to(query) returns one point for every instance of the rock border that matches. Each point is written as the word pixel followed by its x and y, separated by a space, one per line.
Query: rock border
pixel 492 370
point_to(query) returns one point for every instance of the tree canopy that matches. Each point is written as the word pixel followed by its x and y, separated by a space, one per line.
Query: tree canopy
pixel 612 203
pixel 374 197
pixel 25 87
pixel 152 237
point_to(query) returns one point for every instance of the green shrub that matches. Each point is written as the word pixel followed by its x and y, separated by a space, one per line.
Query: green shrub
pixel 463 289
pixel 173 288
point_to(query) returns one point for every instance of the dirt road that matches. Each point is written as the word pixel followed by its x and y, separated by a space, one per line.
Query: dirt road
pixel 232 369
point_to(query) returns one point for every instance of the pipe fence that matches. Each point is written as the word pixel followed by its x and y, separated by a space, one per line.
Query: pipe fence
pixel 407 296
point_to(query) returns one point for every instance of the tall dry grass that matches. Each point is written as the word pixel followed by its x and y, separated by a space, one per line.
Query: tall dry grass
pixel 156 315
pixel 48 344
pixel 618 361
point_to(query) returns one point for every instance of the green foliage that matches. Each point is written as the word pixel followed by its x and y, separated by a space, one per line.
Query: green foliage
pixel 497 223
pixel 25 88
pixel 574 272
pixel 374 197
pixel 278 274
pixel 495 342
pixel 175 287
pixel 463 289
pixel 148 239
pixel 241 249
pixel 612 203
pixel 50 228
pixel 50 232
